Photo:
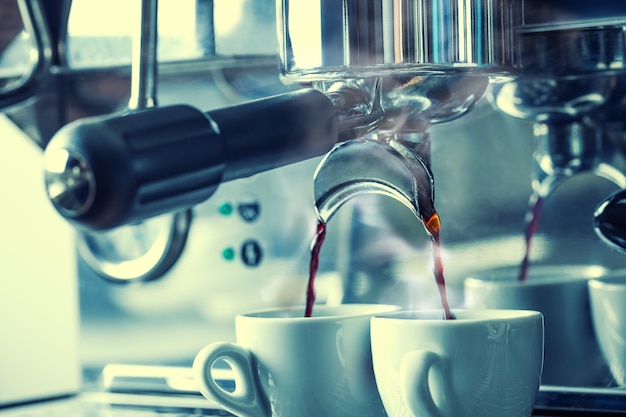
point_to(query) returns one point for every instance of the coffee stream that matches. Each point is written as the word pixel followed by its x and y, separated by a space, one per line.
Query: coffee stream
pixel 316 246
pixel 532 223
pixel 433 227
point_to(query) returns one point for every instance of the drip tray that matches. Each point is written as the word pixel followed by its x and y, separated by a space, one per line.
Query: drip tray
pixel 568 401
pixel 101 404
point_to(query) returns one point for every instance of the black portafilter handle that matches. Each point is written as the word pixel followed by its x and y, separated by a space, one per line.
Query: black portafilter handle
pixel 114 170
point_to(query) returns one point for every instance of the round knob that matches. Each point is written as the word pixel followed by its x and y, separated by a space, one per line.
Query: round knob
pixel 112 170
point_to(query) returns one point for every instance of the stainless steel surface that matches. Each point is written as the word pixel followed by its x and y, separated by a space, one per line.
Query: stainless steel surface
pixel 570 86
pixel 328 40
pixel 566 70
pixel 572 49
pixel 569 71
pixel 427 63
pixel 567 149
pixel 417 103
pixel 393 168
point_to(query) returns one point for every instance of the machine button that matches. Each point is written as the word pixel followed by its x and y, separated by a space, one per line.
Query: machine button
pixel 251 253
pixel 249 210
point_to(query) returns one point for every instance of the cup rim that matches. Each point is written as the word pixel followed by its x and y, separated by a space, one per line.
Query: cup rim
pixel 548 275
pixel 614 280
pixel 286 314
pixel 430 316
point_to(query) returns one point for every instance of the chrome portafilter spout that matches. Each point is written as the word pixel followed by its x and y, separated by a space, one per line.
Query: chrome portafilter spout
pixel 394 158
pixel 565 149
pixel 389 167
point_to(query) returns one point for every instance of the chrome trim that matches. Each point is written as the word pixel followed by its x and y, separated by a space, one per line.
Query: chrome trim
pixel 157 254
pixel 331 39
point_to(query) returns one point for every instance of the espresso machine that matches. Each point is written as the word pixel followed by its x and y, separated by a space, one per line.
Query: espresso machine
pixel 190 181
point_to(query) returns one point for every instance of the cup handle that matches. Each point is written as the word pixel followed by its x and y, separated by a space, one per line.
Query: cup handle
pixel 245 400
pixel 416 387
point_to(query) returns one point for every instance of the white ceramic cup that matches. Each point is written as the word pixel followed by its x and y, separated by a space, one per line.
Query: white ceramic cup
pixel 572 355
pixel 288 365
pixel 484 363
pixel 608 312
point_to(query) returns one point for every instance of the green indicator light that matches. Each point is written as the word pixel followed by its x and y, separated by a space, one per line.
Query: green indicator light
pixel 225 209
pixel 228 254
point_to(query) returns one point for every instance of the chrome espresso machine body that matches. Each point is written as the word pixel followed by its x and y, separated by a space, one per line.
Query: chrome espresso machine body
pixel 194 148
